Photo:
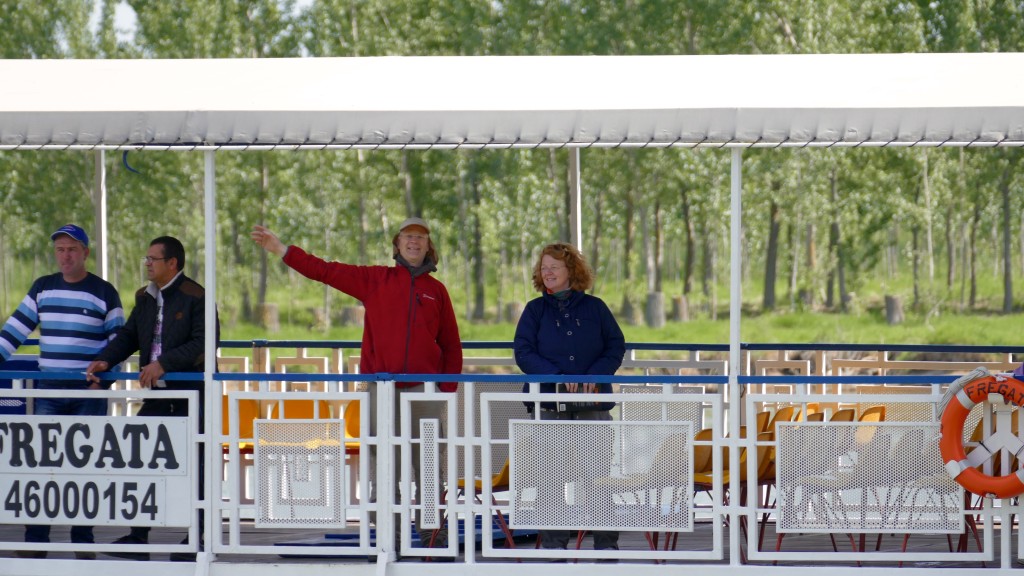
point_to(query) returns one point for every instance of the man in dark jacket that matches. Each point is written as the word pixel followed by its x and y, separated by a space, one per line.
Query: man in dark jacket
pixel 167 329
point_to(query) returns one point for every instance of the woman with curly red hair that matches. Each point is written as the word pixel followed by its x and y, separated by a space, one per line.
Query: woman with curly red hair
pixel 567 331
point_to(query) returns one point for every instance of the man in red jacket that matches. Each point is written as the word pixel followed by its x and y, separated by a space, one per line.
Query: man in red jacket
pixel 409 327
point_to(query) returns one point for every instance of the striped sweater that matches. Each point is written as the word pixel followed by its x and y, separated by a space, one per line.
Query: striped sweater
pixel 75 321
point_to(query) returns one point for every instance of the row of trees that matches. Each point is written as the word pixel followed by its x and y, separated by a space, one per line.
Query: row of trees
pixel 820 225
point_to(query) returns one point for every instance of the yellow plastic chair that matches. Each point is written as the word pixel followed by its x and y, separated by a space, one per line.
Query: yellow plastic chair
pixel 704 481
pixel 812 408
pixel 784 414
pixel 702 453
pixel 499 483
pixel 352 418
pixel 761 420
pixel 352 443
pixel 873 414
pixel 816 417
pixel 844 415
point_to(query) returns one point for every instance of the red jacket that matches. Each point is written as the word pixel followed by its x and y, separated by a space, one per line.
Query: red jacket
pixel 410 324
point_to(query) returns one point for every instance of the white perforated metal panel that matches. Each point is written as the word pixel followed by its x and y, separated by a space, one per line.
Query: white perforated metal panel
pixel 501 412
pixel 864 478
pixel 660 411
pixel 299 473
pixel 564 477
pixel 429 473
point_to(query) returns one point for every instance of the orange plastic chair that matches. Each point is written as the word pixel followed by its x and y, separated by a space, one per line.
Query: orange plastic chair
pixel 816 417
pixel 301 409
pixel 248 411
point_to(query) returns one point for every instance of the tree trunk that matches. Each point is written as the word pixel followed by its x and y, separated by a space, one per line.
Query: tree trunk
pixel 964 262
pixel 713 267
pixel 479 272
pixel 269 317
pixel 680 309
pixel 929 243
pixel 892 252
pixel 771 256
pixel 647 239
pixel 893 310
pixel 794 264
pixel 688 227
pixel 3 267
pixel 950 250
pixel 364 217
pixel 467 281
pixel 627 250
pixel 325 323
pixel 410 206
pixel 658 247
pixel 261 289
pixel 811 263
pixel 595 245
pixel 238 258
pixel 1020 246
pixel 500 293
pixel 833 244
pixel 844 294
pixel 915 258
pixel 563 188
pixel 655 310
pixel 975 221
pixel 706 264
pixel 1004 190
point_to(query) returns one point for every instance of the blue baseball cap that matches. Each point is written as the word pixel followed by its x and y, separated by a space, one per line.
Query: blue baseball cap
pixel 74 232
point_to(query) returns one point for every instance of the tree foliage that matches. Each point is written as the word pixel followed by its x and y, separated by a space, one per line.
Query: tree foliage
pixel 927 225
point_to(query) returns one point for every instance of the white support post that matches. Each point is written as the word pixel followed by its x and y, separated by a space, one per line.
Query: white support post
pixel 99 233
pixel 735 308
pixel 575 219
pixel 212 389
pixel 387 411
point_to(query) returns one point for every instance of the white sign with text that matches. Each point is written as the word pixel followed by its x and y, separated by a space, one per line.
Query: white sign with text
pixel 94 470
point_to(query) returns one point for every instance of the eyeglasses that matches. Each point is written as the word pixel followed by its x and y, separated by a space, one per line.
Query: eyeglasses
pixel 552 269
pixel 150 259
pixel 419 237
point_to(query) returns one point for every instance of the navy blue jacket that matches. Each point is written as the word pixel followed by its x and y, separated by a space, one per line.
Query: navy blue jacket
pixel 576 336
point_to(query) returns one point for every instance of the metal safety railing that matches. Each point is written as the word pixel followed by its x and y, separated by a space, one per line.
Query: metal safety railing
pixel 666 468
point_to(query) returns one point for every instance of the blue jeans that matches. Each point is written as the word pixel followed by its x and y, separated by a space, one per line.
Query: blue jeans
pixel 65 407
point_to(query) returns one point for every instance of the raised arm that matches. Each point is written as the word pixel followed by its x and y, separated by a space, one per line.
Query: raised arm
pixel 267 240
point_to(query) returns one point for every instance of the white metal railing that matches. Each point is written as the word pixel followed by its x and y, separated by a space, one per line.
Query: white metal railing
pixel 655 475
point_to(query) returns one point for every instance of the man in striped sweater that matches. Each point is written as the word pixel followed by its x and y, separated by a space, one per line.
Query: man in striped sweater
pixel 77 313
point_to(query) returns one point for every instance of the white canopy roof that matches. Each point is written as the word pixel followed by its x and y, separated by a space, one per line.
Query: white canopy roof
pixel 790 100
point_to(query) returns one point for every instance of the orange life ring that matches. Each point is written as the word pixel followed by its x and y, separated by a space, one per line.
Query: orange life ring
pixel 951 444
